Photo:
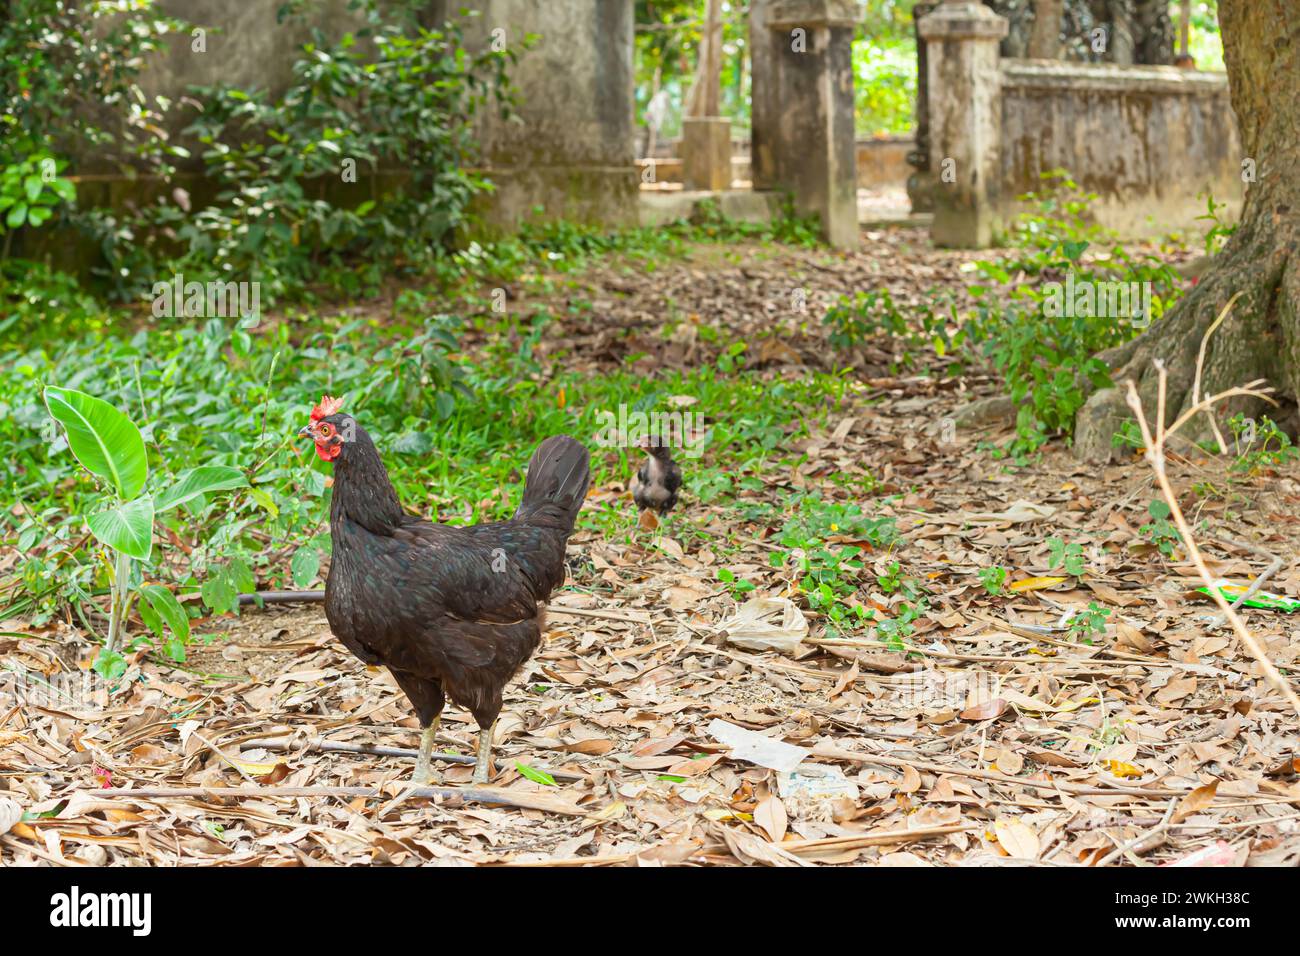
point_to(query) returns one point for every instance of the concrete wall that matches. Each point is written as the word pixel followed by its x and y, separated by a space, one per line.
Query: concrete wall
pixel 571 151
pixel 882 161
pixel 1147 139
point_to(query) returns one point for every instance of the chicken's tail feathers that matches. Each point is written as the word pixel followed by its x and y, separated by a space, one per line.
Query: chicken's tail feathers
pixel 558 476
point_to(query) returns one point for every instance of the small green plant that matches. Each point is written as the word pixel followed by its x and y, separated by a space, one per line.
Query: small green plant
pixel 856 319
pixel 864 315
pixel 30 191
pixel 891 579
pixel 1128 436
pixel 1044 350
pixel 729 359
pixel 109 446
pixel 994 579
pixel 737 586
pixel 832 571
pixel 1160 531
pixel 892 631
pixel 1259 445
pixel 1220 231
pixel 1087 624
pixel 1066 556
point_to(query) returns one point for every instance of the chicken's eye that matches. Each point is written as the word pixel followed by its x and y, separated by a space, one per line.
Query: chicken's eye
pixel 326 429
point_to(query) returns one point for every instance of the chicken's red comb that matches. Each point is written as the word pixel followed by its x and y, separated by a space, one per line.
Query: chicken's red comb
pixel 327 406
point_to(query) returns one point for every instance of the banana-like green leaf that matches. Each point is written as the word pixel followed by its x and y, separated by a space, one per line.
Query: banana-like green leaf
pixel 199 481
pixel 127 528
pixel 169 609
pixel 104 440
pixel 305 565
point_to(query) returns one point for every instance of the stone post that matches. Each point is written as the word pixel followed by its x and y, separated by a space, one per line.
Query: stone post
pixel 964 84
pixel 706 152
pixel 808 94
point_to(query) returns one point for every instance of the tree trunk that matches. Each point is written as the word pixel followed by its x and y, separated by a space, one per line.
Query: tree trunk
pixel 1045 40
pixel 705 93
pixel 1261 336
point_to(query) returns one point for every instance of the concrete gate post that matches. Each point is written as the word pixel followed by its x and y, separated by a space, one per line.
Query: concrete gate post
pixel 964 89
pixel 803 130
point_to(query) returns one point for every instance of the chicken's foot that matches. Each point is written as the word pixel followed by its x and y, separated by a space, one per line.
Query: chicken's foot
pixel 422 773
pixel 483 768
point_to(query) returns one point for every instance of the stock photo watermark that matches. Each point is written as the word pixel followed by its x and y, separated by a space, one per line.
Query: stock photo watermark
pixel 683 430
pixel 176 298
pixel 1086 299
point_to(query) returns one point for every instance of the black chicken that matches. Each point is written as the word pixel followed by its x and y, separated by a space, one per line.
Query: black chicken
pixel 449 611
pixel 655 485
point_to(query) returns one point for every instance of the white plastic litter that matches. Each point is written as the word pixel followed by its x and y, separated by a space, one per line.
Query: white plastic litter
pixel 757 748
pixel 767 624
pixel 816 781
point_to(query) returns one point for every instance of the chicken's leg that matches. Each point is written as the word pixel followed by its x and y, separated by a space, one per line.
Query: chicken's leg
pixel 422 774
pixel 484 765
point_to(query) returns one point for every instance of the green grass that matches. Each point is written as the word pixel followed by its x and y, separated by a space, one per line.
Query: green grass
pixel 455 430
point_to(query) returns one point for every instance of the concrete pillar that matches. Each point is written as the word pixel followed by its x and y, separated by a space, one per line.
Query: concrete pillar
pixel 809 123
pixel 570 151
pixel 964 85
pixel 706 152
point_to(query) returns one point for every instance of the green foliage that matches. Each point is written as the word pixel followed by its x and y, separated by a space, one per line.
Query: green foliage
pixel 1046 355
pixel 1259 445
pixel 1220 231
pixel 30 191
pixel 213 396
pixel 59 97
pixel 667 42
pixel 290 170
pixel 863 316
pixel 1048 359
pixel 1160 531
pixel 832 570
pixel 1089 623
pixel 884 85
pixel 994 579
pixel 737 586
pixel 1129 435
pixel 1068 557
pixel 884 69
pixel 893 630
pixel 110 446
pixel 58 56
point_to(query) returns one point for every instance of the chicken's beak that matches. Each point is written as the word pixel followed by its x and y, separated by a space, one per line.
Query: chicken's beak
pixel 306 432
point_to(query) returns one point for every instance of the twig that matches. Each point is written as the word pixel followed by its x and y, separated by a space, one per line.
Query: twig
pixel 1200 363
pixel 1159 829
pixel 317 597
pixel 218 751
pixel 1155 454
pixel 321 745
pixel 1276 565
pixel 1054 786
pixel 854 842
pixel 507 798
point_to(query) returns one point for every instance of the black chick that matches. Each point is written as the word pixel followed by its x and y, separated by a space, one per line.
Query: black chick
pixel 655 485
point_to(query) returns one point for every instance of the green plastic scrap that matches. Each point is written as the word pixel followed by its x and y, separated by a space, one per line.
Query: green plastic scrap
pixel 1260 599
